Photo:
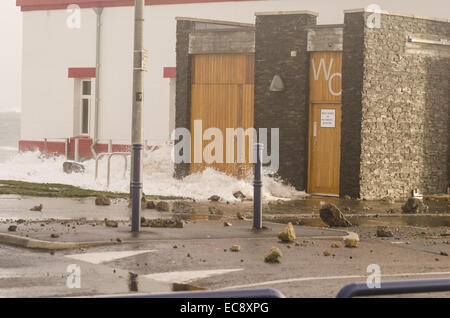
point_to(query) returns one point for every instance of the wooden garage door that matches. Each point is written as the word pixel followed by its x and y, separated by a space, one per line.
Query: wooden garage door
pixel 222 97
pixel 325 123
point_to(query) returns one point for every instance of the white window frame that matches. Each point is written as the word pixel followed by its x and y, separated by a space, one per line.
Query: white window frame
pixel 89 98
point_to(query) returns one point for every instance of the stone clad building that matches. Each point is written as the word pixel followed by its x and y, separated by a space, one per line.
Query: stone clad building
pixel 362 109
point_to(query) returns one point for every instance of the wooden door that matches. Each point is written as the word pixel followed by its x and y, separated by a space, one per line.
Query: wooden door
pixel 222 97
pixel 325 123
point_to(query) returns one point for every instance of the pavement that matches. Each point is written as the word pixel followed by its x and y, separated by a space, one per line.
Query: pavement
pixel 113 261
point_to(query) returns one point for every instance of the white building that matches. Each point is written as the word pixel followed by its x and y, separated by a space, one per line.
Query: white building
pixel 60 71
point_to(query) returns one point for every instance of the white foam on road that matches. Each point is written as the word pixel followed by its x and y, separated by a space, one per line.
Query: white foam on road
pixel 103 257
pixel 304 279
pixel 158 177
pixel 189 276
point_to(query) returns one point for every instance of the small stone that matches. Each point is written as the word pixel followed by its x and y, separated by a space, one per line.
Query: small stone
pixel 235 248
pixel 347 197
pixel 444 254
pixel 383 231
pixel 102 201
pixel 239 195
pixel 326 253
pixel 189 255
pixel 336 245
pixel 12 228
pixel 175 246
pixel 240 216
pixel 37 208
pixel 227 224
pixel 274 255
pixel 288 234
pixel 119 240
pixel 332 216
pixel 54 235
pixel 163 206
pixel 351 242
pixel 110 223
pixel 214 198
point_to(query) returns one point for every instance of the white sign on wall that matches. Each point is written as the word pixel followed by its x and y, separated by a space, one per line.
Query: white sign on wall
pixel 328 118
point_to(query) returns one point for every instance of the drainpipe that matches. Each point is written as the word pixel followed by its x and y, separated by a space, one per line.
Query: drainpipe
pixel 98 12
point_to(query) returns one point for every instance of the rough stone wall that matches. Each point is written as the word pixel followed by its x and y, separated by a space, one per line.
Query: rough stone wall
pixel 276 37
pixel 405 110
pixel 352 84
pixel 183 88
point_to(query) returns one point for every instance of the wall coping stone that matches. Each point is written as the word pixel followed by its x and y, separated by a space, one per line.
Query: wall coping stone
pixel 287 13
pixel 398 14
pixel 221 22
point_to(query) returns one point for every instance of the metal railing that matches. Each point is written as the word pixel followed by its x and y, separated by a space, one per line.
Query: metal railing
pixel 395 288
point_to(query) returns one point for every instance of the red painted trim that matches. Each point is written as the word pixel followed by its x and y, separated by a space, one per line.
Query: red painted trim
pixel 170 72
pixel 82 72
pixel 33 5
pixel 84 144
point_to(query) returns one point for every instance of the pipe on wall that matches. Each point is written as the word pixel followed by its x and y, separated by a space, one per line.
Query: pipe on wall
pixel 98 12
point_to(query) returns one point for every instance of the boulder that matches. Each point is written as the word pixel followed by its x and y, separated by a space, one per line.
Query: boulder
pixel 414 205
pixel 239 195
pixel 273 256
pixel 383 231
pixel 102 200
pixel 351 242
pixel 73 167
pixel 215 211
pixel 235 248
pixel 163 206
pixel 288 234
pixel 182 207
pixel 37 208
pixel 214 198
pixel 110 223
pixel 151 205
pixel 162 223
pixel 332 216
pixel 12 228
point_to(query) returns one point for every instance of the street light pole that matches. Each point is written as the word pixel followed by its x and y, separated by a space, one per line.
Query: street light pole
pixel 137 125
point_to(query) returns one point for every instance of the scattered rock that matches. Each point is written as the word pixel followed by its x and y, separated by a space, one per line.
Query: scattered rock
pixel 332 216
pixel 288 234
pixel 163 206
pixel 12 228
pixel 336 245
pixel 110 223
pixel 162 223
pixel 239 195
pixel 214 198
pixel 151 205
pixel 347 197
pixel 235 248
pixel 326 253
pixel 351 242
pixel 37 208
pixel 273 256
pixel 383 231
pixel 414 205
pixel 54 235
pixel 182 207
pixel 240 216
pixel 215 211
pixel 20 221
pixel 119 240
pixel 73 167
pixel 227 224
pixel 175 246
pixel 102 200
pixel 444 254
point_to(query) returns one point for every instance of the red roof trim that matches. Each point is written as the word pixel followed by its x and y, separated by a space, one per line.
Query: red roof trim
pixel 170 72
pixel 33 5
pixel 82 72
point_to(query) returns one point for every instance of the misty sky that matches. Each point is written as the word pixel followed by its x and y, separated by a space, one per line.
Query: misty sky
pixel 330 12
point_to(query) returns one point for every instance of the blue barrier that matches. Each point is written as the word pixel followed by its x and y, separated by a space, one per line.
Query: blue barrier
pixel 395 288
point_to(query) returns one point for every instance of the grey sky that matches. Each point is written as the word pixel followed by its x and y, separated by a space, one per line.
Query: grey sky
pixel 330 12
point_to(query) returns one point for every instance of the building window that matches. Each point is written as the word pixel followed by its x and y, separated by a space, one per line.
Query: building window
pixel 85 103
